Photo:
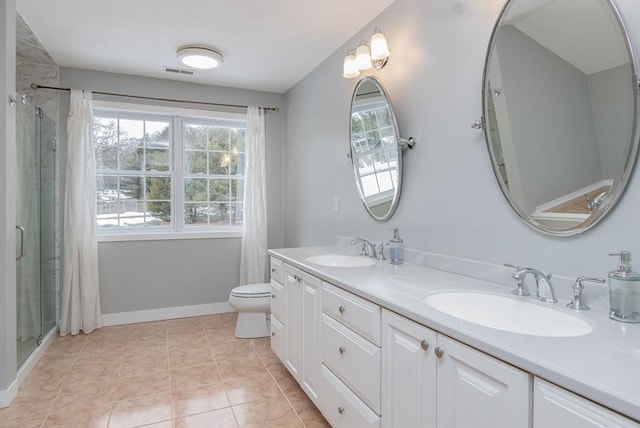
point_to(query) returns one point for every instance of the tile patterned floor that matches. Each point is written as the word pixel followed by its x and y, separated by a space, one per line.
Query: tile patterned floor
pixel 189 372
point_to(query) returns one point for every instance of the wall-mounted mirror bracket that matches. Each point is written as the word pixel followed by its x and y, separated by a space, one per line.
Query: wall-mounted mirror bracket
pixel 478 124
pixel 13 100
pixel 405 143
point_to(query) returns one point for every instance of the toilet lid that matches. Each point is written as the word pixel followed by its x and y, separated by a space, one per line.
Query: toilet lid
pixel 252 290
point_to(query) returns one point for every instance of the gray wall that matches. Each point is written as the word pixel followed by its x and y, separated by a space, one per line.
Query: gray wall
pixel 161 274
pixel 451 203
pixel 610 102
pixel 540 87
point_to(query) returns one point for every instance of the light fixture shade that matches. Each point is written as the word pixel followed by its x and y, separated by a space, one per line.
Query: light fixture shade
pixel 379 47
pixel 199 57
pixel 350 69
pixel 363 57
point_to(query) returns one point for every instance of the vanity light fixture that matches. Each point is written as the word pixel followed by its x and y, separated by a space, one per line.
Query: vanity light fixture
pixel 200 57
pixel 368 54
pixel 350 68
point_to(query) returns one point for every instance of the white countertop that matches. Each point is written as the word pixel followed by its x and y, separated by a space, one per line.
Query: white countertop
pixel 603 365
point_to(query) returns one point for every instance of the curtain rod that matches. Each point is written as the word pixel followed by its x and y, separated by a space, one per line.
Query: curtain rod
pixel 37 86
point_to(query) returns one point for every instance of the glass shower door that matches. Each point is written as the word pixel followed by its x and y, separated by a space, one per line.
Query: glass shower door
pixel 35 220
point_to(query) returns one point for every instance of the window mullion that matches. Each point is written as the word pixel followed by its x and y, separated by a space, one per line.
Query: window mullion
pixel 178 174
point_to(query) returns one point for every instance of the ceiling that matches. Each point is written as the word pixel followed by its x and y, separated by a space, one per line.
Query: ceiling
pixel 268 45
pixel 583 33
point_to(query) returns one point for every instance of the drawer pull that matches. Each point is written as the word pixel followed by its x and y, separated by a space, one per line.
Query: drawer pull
pixel 297 278
pixel 273 270
pixel 341 309
pixel 439 352
pixel 341 410
pixel 341 349
pixel 424 344
pixel 273 333
pixel 273 296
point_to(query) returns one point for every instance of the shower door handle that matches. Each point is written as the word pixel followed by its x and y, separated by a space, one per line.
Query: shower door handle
pixel 22 242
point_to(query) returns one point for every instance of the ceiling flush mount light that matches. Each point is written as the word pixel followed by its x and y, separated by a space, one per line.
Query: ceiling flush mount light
pixel 199 57
pixel 368 54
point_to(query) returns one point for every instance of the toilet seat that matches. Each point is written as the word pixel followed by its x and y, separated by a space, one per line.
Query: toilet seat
pixel 252 291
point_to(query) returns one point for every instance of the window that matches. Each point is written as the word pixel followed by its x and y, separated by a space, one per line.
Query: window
pixel 161 172
pixel 375 151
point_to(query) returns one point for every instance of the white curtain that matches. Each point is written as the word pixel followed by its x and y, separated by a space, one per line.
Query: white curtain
pixel 253 258
pixel 80 305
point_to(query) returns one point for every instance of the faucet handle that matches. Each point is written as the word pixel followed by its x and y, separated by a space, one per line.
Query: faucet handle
pixel 577 303
pixel 520 290
pixel 381 256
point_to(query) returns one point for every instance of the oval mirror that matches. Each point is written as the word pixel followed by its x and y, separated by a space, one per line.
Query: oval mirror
pixel 375 152
pixel 560 110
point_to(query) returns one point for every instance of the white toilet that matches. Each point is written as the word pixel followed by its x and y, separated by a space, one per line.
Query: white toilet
pixel 253 303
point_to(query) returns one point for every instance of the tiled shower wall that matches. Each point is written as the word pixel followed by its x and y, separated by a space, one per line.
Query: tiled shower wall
pixel 35 65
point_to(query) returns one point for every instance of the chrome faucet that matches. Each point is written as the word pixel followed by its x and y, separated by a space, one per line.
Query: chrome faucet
pixel 368 249
pixel 544 289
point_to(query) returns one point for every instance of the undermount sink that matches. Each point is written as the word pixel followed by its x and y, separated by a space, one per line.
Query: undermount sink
pixel 337 260
pixel 508 314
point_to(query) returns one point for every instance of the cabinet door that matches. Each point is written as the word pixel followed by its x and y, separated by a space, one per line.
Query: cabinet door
pixel 477 390
pixel 277 338
pixel 408 373
pixel 555 407
pixel 311 309
pixel 293 322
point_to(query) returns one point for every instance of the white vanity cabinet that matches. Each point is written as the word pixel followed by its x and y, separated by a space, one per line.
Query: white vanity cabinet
pixel 350 394
pixel 302 328
pixel 477 390
pixel 431 380
pixel 408 373
pixel 278 308
pixel 556 407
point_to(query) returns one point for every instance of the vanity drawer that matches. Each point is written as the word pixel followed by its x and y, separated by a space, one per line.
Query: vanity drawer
pixel 341 407
pixel 354 360
pixel 277 270
pixel 277 338
pixel 277 300
pixel 358 314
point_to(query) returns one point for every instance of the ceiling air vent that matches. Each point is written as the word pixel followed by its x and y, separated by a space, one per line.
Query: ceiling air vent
pixel 178 71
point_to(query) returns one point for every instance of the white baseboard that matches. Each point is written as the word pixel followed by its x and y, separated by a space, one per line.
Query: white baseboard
pixel 7 395
pixel 165 314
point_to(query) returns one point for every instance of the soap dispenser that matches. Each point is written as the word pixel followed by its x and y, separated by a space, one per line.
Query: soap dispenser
pixel 396 248
pixel 624 291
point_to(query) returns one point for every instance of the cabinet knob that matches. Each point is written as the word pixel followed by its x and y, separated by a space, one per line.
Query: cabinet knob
pixel 439 352
pixel 424 344
pixel 341 309
pixel 273 270
pixel 341 410
pixel 273 333
pixel 297 278
pixel 341 349
pixel 273 296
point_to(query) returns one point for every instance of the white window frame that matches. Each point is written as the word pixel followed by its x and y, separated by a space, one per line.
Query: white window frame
pixel 177 230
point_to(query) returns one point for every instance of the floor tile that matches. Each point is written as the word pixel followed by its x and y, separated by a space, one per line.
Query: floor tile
pixel 135 386
pixel 77 396
pixel 241 366
pixel 88 417
pixel 222 418
pixel 304 407
pixel 253 388
pixel 22 423
pixel 266 413
pixel 141 411
pixel 144 364
pixel 193 370
pixel 188 377
pixel 200 399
